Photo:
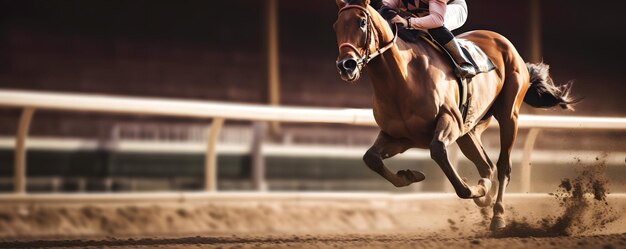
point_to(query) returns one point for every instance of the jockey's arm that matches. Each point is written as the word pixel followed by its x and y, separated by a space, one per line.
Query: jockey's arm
pixel 435 18
pixel 452 15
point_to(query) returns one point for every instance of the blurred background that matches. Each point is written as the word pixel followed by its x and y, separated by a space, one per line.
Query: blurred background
pixel 222 51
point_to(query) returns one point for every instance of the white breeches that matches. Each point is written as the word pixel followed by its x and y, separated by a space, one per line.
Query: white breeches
pixel 456 14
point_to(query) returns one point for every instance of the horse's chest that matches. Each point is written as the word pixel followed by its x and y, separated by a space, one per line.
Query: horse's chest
pixel 394 127
pixel 411 126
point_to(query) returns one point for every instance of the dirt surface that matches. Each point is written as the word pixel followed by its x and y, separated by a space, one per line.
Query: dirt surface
pixel 306 223
pixel 527 216
pixel 396 241
pixel 579 214
pixel 584 204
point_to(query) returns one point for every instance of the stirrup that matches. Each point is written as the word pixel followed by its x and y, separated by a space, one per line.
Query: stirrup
pixel 465 73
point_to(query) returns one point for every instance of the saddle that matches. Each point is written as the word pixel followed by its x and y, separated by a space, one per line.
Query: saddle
pixel 482 63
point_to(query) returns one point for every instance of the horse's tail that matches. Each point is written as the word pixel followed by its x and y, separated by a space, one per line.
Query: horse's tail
pixel 542 92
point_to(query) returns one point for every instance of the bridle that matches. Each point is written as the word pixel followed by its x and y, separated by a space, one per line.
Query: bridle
pixel 361 62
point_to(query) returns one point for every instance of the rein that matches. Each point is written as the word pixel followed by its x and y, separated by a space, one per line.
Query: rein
pixel 361 62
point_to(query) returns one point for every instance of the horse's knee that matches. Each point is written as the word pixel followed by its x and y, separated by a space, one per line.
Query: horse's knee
pixel 373 160
pixel 438 150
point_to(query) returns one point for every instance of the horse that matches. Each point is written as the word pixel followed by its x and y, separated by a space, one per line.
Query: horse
pixel 416 99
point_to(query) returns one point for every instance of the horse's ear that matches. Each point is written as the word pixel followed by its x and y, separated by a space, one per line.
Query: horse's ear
pixel 343 3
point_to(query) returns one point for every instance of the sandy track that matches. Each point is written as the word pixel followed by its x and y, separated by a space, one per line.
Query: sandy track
pixel 395 241
pixel 304 221
pixel 579 215
pixel 299 221
pixel 300 214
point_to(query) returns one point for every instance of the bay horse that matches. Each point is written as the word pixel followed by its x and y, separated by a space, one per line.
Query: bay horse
pixel 416 99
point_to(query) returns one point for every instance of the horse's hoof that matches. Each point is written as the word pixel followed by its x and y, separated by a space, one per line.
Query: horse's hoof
pixel 486 200
pixel 485 183
pixel 497 223
pixel 411 175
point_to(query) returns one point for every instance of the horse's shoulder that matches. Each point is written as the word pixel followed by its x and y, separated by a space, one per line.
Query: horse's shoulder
pixel 421 55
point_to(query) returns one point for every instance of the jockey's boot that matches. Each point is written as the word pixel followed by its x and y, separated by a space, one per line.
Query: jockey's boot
pixel 464 69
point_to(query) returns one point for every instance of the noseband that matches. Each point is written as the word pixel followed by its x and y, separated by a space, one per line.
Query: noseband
pixel 361 62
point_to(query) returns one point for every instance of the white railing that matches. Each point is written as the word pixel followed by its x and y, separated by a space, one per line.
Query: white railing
pixel 29 101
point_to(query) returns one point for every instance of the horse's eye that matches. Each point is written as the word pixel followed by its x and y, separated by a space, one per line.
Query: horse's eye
pixel 362 23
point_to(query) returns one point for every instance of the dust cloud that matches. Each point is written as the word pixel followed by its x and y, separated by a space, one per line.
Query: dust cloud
pixel 584 204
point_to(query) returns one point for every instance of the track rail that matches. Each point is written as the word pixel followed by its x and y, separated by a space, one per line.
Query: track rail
pixel 236 111
pixel 30 101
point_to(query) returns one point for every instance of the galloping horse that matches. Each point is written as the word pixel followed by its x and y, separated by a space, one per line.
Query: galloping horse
pixel 416 99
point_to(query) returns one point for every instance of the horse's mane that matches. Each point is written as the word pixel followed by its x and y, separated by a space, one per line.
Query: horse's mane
pixel 388 13
pixel 408 35
pixel 376 4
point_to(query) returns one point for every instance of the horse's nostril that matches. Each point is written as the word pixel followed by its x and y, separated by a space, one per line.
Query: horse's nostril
pixel 349 64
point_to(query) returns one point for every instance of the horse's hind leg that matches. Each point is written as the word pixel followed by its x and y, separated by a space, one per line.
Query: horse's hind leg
pixel 506 111
pixel 447 132
pixel 508 132
pixel 472 148
pixel 385 147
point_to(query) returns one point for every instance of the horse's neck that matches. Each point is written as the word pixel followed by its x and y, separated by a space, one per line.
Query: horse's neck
pixel 391 73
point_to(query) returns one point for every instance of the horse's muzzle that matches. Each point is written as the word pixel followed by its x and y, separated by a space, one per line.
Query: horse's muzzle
pixel 348 69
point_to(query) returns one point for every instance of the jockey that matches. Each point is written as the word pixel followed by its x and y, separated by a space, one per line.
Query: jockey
pixel 437 17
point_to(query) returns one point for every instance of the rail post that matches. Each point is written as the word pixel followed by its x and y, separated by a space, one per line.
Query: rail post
pixel 210 164
pixel 534 31
pixel 273 64
pixel 529 143
pixel 258 160
pixel 19 175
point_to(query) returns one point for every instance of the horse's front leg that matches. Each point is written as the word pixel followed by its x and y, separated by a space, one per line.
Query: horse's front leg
pixel 472 147
pixel 446 133
pixel 385 147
